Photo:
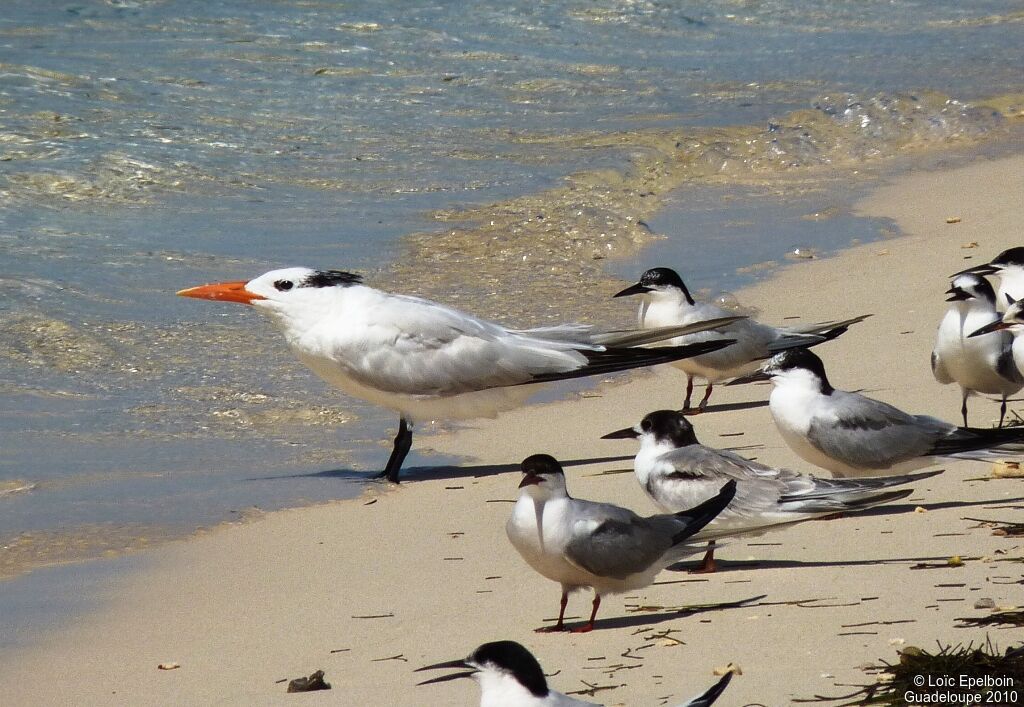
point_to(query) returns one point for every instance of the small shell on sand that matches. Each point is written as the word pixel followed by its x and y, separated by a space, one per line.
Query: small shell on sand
pixel 1007 470
pixel 730 668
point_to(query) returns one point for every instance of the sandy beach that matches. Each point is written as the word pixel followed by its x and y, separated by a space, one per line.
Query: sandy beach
pixel 370 589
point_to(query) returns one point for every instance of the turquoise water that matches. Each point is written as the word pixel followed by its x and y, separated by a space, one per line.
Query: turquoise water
pixel 149 146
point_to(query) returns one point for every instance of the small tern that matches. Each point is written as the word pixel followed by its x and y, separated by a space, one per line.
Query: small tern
pixel 667 302
pixel 853 435
pixel 428 361
pixel 1009 266
pixel 510 676
pixel 580 543
pixel 679 472
pixel 982 365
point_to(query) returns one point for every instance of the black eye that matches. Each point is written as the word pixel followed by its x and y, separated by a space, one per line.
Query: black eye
pixel 284 285
pixel 646 425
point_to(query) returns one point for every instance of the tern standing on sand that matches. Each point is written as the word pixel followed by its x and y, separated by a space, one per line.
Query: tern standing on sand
pixel 977 365
pixel 667 302
pixel 679 472
pixel 580 543
pixel 509 676
pixel 853 435
pixel 426 360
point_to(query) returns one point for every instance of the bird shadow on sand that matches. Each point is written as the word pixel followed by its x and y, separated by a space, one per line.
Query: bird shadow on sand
pixel 740 565
pixel 426 473
pixel 729 407
pixel 656 616
pixel 898 508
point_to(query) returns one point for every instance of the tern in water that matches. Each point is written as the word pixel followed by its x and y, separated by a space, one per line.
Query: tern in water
pixel 428 361
pixel 853 435
pixel 679 472
pixel 978 365
pixel 580 543
pixel 667 302
pixel 509 676
pixel 1009 266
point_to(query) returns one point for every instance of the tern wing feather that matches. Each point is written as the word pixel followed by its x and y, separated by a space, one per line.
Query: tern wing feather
pixel 870 434
pixel 640 337
pixel 617 547
pixel 813 334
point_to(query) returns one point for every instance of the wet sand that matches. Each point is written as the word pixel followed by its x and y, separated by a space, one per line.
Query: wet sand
pixel 370 589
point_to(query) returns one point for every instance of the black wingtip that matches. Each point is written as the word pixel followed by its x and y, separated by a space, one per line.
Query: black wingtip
pixel 841 328
pixel 699 516
pixel 613 359
pixel 755 377
pixel 712 693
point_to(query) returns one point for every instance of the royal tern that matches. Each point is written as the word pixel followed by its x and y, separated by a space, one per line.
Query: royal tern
pixel 428 361
pixel 510 676
pixel 853 435
pixel 667 302
pixel 580 543
pixel 679 472
pixel 977 365
pixel 1009 266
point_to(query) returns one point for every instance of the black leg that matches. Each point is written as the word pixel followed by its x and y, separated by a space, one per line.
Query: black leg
pixel 689 392
pixel 589 626
pixel 708 565
pixel 963 410
pixel 403 441
pixel 560 626
pixel 1002 411
pixel 707 396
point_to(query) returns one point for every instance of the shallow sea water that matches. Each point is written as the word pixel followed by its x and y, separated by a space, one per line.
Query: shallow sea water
pixel 481 154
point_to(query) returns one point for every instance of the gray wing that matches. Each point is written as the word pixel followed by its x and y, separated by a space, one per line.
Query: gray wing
pixel 870 434
pixel 764 494
pixel 619 547
pixel 697 460
pixel 638 337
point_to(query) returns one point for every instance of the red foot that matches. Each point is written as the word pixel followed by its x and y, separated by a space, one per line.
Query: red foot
pixel 708 566
pixel 585 628
pixel 550 629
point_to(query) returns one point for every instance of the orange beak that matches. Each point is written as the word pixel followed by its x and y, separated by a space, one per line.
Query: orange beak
pixel 223 292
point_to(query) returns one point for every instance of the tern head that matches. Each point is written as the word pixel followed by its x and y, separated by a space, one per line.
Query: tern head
pixel 286 291
pixel 659 283
pixel 798 366
pixel 1013 319
pixel 543 477
pixel 661 427
pixel 501 667
pixel 971 288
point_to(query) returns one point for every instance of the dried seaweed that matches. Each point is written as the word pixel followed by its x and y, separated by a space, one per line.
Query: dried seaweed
pixel 1002 527
pixel 1001 618
pixel 897 679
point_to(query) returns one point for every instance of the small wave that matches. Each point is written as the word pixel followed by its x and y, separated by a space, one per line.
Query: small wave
pixel 15 486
